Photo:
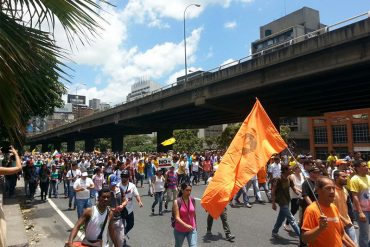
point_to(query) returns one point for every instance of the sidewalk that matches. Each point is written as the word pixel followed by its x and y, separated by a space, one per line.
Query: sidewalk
pixel 16 234
pixel 34 223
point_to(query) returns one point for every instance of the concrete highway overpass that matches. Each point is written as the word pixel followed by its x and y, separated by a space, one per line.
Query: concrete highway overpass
pixel 328 72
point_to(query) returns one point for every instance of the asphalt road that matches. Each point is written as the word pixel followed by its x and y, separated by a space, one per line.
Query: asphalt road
pixel 252 227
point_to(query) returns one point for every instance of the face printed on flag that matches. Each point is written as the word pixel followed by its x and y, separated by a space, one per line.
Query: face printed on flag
pixel 250 143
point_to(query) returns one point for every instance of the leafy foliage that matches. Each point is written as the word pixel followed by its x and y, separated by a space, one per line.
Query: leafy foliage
pixel 228 135
pixel 187 140
pixel 139 143
pixel 30 61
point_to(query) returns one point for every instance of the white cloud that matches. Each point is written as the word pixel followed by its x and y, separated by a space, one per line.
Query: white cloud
pixel 118 66
pixel 230 25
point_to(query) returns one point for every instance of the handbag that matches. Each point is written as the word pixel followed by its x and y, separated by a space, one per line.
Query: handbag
pixel 99 241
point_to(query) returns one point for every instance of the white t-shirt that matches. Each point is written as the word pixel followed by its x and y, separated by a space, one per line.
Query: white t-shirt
pixel 195 166
pixel 83 183
pixel 130 193
pixel 159 184
pixel 275 170
pixel 73 174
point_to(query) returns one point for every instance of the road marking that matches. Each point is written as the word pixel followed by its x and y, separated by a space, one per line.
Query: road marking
pixel 65 218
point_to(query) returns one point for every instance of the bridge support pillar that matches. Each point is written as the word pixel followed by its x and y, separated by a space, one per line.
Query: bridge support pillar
pixel 163 135
pixel 71 145
pixel 117 142
pixel 32 146
pixel 89 144
pixel 44 147
pixel 57 146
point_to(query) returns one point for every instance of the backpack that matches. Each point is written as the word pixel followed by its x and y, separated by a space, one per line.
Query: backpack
pixel 179 202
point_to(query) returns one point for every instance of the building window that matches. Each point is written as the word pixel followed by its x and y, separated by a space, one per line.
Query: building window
pixel 360 133
pixel 360 116
pixel 341 152
pixel 339 134
pixel 320 135
pixel 321 153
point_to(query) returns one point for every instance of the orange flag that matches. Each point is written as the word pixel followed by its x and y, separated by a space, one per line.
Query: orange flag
pixel 251 148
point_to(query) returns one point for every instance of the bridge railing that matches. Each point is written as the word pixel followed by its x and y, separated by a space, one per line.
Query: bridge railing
pixel 205 75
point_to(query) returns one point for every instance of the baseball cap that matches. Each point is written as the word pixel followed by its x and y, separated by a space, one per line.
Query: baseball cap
pixel 84 174
pixel 125 174
pixel 341 162
pixel 113 180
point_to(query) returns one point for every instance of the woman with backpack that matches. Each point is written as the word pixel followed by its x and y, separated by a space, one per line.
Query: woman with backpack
pixel 185 218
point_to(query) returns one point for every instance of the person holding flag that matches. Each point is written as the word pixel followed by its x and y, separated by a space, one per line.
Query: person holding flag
pixel 251 148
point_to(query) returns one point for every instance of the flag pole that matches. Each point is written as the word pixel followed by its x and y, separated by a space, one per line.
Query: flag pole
pixel 304 177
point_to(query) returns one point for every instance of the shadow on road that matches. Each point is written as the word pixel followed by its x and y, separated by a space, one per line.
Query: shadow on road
pixel 212 238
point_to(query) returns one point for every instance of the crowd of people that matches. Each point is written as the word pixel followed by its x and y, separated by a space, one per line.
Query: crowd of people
pixel 321 201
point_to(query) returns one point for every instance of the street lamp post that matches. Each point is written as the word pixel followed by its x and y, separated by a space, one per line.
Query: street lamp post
pixel 186 63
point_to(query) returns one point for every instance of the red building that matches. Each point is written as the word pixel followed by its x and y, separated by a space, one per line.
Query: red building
pixel 343 131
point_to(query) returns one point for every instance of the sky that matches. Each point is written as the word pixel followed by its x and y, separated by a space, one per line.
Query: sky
pixel 144 39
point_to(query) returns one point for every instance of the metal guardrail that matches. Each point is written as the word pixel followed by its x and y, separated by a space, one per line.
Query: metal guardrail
pixel 281 45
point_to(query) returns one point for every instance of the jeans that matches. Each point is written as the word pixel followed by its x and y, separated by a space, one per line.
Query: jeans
pixel 26 188
pixel 11 182
pixel 256 190
pixel 284 213
pixel 150 189
pixel 294 207
pixel 158 196
pixel 140 177
pixel 351 232
pixel 71 195
pixel 363 238
pixel 196 177
pixel 243 191
pixel 225 224
pixel 190 236
pixel 81 205
pixel 44 189
pixel 266 189
pixel 66 187
pixel 129 222
pixel 53 188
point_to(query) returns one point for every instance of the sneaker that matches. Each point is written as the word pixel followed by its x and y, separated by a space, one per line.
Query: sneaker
pixel 230 237
pixel 160 213
pixel 166 206
pixel 275 235
pixel 209 233
pixel 287 228
pixel 247 205
pixel 152 210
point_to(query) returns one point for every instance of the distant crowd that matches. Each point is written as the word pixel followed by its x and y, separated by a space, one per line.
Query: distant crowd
pixel 321 201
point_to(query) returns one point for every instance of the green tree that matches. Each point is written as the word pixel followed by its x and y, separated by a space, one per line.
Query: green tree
pixel 212 142
pixel 228 135
pixel 31 67
pixel 103 144
pixel 139 143
pixel 187 140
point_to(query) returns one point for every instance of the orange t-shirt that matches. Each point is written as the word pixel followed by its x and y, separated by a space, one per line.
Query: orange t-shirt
pixel 261 175
pixel 332 235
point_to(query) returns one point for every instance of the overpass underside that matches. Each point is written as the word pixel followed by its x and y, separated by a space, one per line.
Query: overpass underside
pixel 326 73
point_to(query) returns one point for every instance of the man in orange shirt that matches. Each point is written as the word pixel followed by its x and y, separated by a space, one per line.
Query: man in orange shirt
pixel 341 196
pixel 322 228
